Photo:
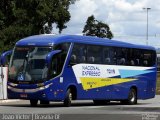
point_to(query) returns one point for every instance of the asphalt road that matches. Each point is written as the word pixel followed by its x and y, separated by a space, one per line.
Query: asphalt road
pixel 82 110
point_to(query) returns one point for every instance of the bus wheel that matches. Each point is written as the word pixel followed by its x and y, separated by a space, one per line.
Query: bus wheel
pixel 68 98
pixel 44 102
pixel 33 103
pixel 132 97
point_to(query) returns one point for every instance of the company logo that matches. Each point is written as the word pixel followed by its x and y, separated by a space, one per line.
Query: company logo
pixel 111 71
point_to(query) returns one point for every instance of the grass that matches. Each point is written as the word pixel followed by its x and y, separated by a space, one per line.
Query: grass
pixel 158 84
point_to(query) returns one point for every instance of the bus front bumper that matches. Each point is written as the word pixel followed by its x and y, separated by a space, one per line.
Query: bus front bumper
pixel 41 93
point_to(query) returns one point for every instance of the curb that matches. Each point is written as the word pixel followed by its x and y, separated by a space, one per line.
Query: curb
pixel 8 100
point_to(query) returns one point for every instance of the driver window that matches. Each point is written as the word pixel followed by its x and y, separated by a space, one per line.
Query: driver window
pixel 57 64
pixel 58 60
pixel 54 67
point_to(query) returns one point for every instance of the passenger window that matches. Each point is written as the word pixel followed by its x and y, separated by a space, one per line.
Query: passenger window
pixel 137 57
pixel 130 57
pixel 149 58
pixel 106 57
pixel 94 54
pixel 143 57
pixel 121 56
pixel 109 56
pixel 78 54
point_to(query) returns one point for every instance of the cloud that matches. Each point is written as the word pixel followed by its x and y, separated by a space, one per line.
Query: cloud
pixel 125 17
pixel 109 11
pixel 79 14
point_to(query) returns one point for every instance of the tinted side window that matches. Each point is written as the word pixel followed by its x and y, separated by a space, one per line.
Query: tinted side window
pixel 58 60
pixel 94 54
pixel 122 56
pixel 154 57
pixel 109 55
pixel 106 55
pixel 78 54
pixel 143 57
pixel 149 58
pixel 137 57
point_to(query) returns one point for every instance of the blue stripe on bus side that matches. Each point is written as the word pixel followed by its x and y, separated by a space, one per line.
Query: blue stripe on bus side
pixel 131 73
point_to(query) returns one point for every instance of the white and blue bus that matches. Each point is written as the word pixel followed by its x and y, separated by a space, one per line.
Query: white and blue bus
pixel 68 67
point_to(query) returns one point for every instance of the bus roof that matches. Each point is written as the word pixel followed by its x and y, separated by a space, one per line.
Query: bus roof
pixel 51 39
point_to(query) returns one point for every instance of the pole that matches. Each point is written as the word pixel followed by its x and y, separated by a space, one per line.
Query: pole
pixel 147 25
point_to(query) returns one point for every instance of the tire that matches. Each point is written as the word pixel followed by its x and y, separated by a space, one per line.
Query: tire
pixel 44 102
pixel 132 97
pixel 33 103
pixel 68 98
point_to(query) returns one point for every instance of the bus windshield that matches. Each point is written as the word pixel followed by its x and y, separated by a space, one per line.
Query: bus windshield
pixel 28 63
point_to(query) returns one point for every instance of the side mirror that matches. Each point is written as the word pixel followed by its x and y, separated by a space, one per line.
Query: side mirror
pixel 50 55
pixel 3 58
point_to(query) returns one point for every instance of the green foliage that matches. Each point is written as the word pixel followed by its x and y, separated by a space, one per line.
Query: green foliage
pixel 21 18
pixel 96 28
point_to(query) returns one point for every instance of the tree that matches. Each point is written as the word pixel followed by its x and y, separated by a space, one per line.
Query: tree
pixel 96 28
pixel 21 18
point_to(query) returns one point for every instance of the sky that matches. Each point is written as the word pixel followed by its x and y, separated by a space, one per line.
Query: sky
pixel 126 18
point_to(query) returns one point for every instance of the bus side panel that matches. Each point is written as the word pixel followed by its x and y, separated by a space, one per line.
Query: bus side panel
pixel 120 91
pixel 151 85
pixel 115 87
pixel 145 85
pixel 91 93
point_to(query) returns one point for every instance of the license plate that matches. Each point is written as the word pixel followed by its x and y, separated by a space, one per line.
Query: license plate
pixel 23 95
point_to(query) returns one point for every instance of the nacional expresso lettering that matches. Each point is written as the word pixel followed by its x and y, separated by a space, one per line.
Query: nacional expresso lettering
pixel 90 71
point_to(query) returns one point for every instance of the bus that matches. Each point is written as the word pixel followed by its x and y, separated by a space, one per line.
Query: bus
pixel 158 59
pixel 63 68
